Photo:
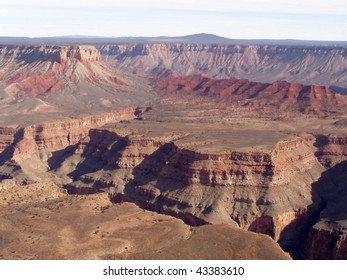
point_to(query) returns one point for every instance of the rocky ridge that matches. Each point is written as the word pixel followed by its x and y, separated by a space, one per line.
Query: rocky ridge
pixel 261 63
pixel 280 95
pixel 44 70
pixel 265 192
pixel 277 193
pixel 30 147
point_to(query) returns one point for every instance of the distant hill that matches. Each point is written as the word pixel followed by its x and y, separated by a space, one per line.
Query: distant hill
pixel 202 38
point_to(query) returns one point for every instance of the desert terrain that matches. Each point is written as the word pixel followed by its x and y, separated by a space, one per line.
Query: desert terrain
pixel 209 151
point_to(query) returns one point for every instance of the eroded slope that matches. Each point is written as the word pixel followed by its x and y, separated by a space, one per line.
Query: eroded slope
pixel 42 222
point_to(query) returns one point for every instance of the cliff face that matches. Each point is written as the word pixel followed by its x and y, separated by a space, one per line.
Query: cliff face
pixel 332 149
pixel 280 95
pixel 29 148
pixel 44 70
pixel 307 65
pixel 332 236
pixel 262 192
pixel 48 53
pixel 6 137
pixel 281 192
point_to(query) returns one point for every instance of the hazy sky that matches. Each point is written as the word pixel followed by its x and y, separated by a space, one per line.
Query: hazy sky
pixel 267 19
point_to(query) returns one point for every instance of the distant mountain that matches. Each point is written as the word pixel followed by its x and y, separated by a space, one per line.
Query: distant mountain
pixel 202 38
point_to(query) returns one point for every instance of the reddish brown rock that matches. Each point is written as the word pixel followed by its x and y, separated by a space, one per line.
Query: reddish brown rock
pixel 280 95
pixel 45 70
pixel 327 241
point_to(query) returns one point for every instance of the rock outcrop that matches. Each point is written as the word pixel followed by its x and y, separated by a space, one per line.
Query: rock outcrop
pixel 327 240
pixel 280 95
pixel 330 230
pixel 261 63
pixel 44 70
pixel 29 148
pixel 256 190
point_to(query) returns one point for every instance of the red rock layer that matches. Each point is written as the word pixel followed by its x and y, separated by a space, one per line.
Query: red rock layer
pixel 45 70
pixel 279 95
pixel 325 244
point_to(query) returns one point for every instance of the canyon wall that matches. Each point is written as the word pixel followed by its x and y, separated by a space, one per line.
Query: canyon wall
pixel 43 70
pixel 261 63
pixel 281 193
pixel 262 192
pixel 28 148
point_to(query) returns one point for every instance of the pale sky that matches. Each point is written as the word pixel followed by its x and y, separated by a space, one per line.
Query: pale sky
pixel 238 19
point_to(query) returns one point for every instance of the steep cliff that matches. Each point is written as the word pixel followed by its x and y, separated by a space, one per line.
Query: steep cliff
pixel 307 65
pixel 330 229
pixel 28 148
pixel 44 70
pixel 327 240
pixel 242 187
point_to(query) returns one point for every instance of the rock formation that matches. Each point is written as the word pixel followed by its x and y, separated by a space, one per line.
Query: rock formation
pixel 47 69
pixel 269 158
pixel 279 95
pixel 261 63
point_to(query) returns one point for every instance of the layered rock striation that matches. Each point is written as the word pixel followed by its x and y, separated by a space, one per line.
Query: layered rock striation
pixel 282 191
pixel 280 95
pixel 259 191
pixel 262 63
pixel 44 70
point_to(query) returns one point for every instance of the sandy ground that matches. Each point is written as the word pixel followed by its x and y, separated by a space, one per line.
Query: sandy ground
pixel 43 222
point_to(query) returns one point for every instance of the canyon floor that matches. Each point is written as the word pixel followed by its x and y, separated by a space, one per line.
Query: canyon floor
pixel 43 222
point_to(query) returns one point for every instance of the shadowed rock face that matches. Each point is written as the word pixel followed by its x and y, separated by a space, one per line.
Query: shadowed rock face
pixel 307 65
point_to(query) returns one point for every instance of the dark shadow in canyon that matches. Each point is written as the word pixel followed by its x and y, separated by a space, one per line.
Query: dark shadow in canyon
pixel 99 155
pixel 167 169
pixel 329 196
pixel 7 153
pixel 151 167
pixel 58 157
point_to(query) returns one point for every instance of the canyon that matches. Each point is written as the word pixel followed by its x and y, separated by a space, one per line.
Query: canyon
pixel 320 65
pixel 249 158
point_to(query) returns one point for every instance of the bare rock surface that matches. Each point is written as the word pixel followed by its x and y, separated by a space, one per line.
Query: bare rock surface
pixel 260 63
pixel 278 96
pixel 46 83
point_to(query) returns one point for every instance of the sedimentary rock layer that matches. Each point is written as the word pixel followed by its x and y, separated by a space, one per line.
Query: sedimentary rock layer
pixel 280 95
pixel 307 65
pixel 44 70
